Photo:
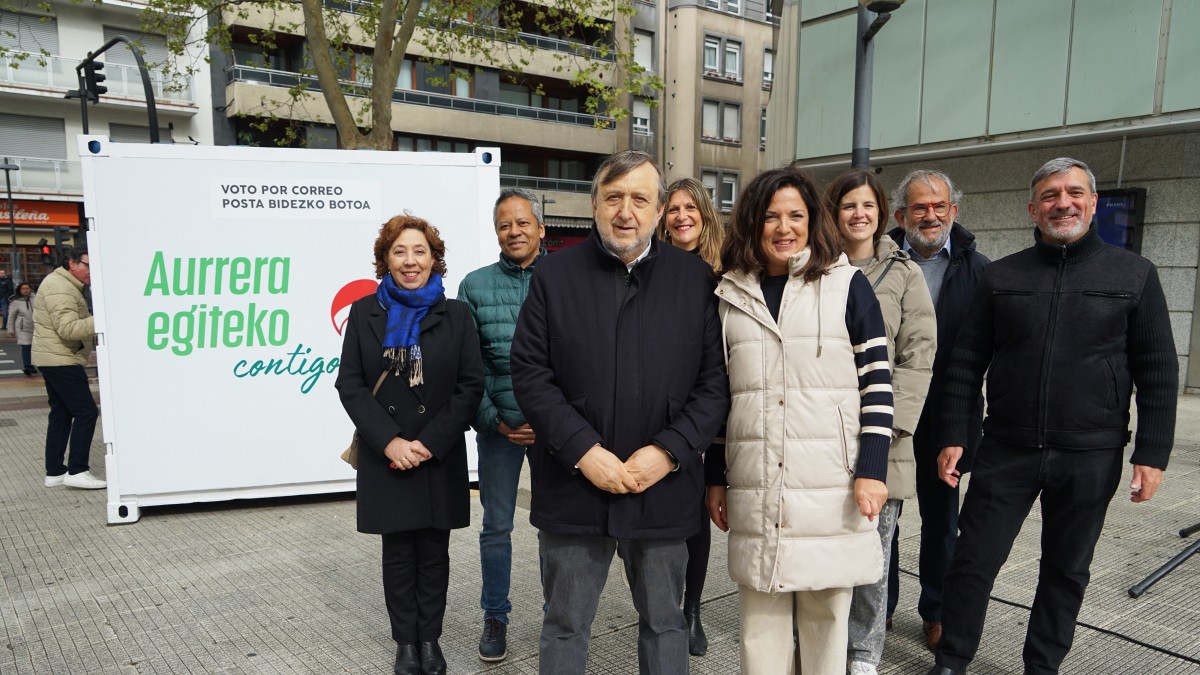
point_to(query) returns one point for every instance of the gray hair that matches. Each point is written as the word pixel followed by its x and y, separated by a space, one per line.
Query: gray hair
pixel 1057 166
pixel 900 195
pixel 623 162
pixel 507 193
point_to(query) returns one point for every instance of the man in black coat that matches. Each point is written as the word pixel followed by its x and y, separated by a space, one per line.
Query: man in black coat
pixel 617 363
pixel 1065 329
pixel 926 207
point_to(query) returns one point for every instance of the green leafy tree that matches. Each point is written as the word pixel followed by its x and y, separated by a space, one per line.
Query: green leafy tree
pixel 371 37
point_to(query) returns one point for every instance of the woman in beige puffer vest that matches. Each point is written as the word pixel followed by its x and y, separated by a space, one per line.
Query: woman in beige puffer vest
pixel 808 430
pixel 857 201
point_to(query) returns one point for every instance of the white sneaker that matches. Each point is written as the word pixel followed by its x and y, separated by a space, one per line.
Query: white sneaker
pixel 861 668
pixel 54 481
pixel 84 481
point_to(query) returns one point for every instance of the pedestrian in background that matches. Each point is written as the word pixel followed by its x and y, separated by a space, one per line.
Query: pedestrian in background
pixel 859 205
pixel 422 352
pixel 63 338
pixel 495 294
pixel 690 223
pixel 806 452
pixel 20 307
pixel 6 291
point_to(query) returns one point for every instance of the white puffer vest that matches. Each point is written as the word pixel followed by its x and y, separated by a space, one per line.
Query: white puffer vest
pixel 792 437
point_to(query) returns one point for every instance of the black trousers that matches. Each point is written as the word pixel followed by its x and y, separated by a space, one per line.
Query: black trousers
pixel 698 547
pixel 416 576
pixel 938 503
pixel 73 414
pixel 1075 488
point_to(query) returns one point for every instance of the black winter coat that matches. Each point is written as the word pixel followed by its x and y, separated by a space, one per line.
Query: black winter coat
pixel 1068 331
pixel 624 360
pixel 951 307
pixel 435 494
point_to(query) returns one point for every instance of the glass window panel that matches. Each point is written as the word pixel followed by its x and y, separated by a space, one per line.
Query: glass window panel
pixel 728 191
pixel 710 120
pixel 514 94
pixel 711 47
pixel 404 143
pixel 733 58
pixel 768 66
pixel 732 123
pixel 405 79
pixel 643 49
pixel 424 145
pixel 709 178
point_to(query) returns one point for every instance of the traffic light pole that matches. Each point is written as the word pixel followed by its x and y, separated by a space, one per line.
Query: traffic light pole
pixel 151 109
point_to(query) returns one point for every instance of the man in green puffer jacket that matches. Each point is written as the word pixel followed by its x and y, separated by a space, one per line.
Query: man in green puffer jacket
pixel 495 294
pixel 63 337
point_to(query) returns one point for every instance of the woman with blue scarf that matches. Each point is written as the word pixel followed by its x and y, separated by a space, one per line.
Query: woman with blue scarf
pixel 422 352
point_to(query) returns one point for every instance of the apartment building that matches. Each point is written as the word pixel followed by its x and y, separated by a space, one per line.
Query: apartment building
pixel 716 59
pixel 38 125
pixel 549 143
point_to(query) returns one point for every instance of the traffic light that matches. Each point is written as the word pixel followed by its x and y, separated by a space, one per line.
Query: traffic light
pixel 45 249
pixel 92 77
pixel 62 245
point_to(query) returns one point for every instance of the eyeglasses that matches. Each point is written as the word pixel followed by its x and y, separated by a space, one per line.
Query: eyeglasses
pixel 85 264
pixel 920 210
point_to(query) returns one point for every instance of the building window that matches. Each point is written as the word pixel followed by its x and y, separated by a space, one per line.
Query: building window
pixel 641 117
pixel 643 49
pixel 722 187
pixel 762 130
pixel 768 69
pixel 712 47
pixel 712 4
pixel 733 6
pixel 721 122
pixel 722 58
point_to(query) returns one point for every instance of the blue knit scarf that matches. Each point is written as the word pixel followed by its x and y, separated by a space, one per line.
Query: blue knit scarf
pixel 405 309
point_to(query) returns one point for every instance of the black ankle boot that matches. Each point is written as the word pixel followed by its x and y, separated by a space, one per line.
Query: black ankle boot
pixel 407 661
pixel 697 640
pixel 432 661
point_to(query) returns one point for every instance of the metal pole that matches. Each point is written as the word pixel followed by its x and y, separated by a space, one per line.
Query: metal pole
pixel 12 223
pixel 864 53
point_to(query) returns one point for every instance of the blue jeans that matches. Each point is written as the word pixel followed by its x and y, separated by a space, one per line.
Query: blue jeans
pixel 499 473
pixel 4 311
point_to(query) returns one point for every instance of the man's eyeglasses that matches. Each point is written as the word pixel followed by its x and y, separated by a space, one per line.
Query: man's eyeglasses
pixel 920 210
pixel 85 264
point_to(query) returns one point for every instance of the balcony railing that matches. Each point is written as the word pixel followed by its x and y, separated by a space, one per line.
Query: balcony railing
pixel 39 174
pixel 279 78
pixel 57 72
pixel 480 30
pixel 533 183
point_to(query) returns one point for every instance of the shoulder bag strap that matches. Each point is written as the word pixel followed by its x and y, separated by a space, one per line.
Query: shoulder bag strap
pixel 378 384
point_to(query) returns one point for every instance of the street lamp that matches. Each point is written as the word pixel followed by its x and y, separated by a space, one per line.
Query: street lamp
pixel 8 167
pixel 864 65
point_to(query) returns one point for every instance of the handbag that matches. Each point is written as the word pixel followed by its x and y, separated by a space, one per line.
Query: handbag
pixel 350 454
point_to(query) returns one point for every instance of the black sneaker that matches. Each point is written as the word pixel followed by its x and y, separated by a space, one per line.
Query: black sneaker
pixel 493 646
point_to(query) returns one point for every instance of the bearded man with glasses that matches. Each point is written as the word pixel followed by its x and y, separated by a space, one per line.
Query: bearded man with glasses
pixel 927 205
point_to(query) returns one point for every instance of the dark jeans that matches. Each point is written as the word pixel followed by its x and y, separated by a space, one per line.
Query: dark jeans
pixel 26 356
pixel 416 576
pixel 4 310
pixel 1075 488
pixel 938 503
pixel 698 547
pixel 575 569
pixel 73 414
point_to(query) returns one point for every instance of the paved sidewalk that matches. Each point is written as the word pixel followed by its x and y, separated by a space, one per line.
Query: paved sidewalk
pixel 288 586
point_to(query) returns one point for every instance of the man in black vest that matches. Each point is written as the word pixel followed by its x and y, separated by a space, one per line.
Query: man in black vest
pixel 1068 326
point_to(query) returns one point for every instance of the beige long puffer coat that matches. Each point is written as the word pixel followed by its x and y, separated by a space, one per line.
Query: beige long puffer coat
pixel 912 342
pixel 792 437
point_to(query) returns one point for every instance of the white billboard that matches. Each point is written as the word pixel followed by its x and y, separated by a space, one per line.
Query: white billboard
pixel 221 280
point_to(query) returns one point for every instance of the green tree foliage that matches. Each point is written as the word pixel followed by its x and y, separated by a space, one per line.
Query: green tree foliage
pixel 369 38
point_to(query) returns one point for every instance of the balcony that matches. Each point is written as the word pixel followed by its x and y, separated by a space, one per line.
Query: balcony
pixel 58 73
pixel 480 30
pixel 38 174
pixel 557 184
pixel 279 78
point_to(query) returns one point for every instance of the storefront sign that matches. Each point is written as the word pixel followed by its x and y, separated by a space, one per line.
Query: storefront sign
pixel 46 214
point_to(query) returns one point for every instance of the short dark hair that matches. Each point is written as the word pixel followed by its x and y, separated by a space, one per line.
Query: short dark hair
pixel 75 254
pixel 392 229
pixel 621 163
pixel 850 181
pixel 743 243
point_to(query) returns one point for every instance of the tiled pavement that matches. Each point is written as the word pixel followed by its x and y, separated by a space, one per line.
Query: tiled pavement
pixel 288 586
